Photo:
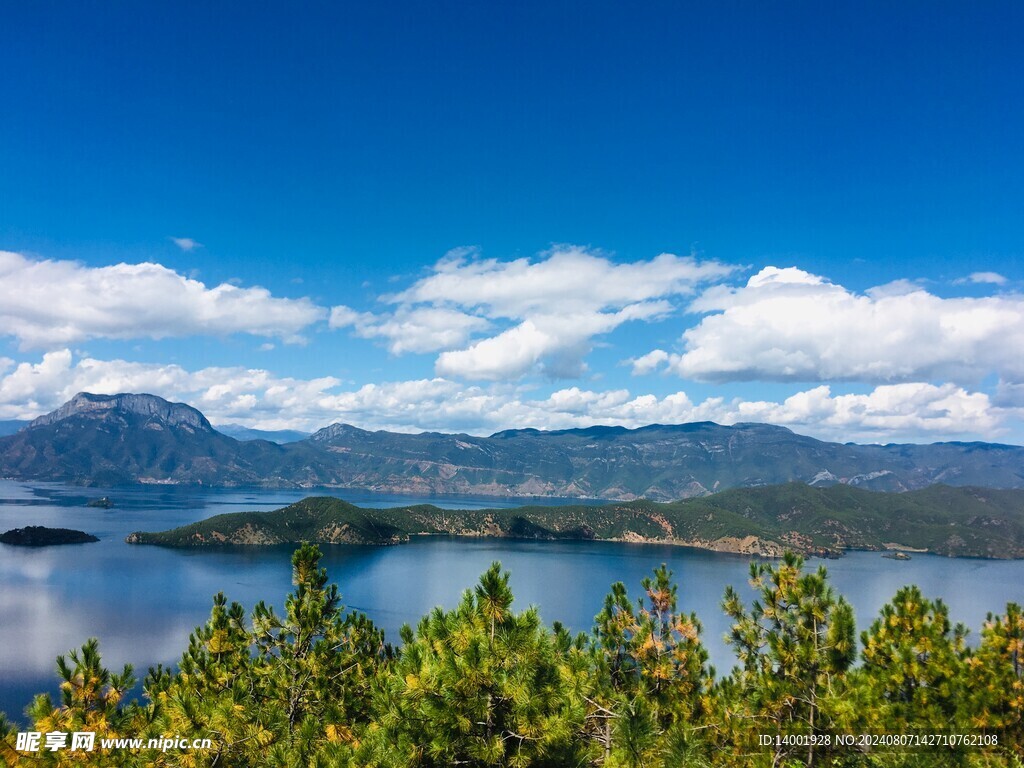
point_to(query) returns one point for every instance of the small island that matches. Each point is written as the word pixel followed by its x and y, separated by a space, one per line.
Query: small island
pixel 41 536
pixel 101 503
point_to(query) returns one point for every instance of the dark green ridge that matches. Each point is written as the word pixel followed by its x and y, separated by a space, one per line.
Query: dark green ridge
pixel 952 521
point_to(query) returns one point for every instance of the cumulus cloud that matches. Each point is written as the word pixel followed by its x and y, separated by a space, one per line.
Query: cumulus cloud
pixel 52 303
pixel 499 320
pixel 259 398
pixel 650 362
pixel 790 325
pixel 569 276
pixel 222 393
pixel 554 342
pixel 902 411
pixel 186 244
pixel 422 329
pixel 912 409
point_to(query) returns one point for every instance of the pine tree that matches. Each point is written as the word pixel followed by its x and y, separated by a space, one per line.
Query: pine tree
pixel 652 672
pixel 213 695
pixel 795 646
pixel 914 664
pixel 480 686
pixel 8 756
pixel 92 700
pixel 292 691
pixel 313 666
pixel 483 685
pixel 994 698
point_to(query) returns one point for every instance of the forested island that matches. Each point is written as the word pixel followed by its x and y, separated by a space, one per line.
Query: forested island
pixel 41 536
pixel 957 522
pixel 484 685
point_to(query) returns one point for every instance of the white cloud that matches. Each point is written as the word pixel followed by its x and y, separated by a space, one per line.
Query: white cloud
pixel 540 315
pixel 504 356
pixel 787 324
pixel 553 342
pixel 258 398
pixel 222 393
pixel 422 329
pixel 650 362
pixel 898 412
pixel 568 276
pixel 53 303
pixel 912 409
pixel 186 244
pixel 982 278
pixel 342 317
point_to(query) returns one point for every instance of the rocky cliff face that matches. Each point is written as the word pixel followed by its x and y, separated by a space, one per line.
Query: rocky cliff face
pixel 339 432
pixel 175 415
pixel 128 438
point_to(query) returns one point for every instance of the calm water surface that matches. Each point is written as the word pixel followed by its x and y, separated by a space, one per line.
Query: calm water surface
pixel 142 602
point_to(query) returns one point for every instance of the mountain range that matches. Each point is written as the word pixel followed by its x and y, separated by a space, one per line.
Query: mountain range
pixel 139 438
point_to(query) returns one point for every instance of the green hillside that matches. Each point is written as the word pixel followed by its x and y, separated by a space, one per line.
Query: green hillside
pixel 958 522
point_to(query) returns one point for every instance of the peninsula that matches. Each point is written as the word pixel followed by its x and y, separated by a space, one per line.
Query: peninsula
pixel 766 521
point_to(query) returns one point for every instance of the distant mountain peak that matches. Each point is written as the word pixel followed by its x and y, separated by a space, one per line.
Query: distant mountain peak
pixel 150 406
pixel 336 430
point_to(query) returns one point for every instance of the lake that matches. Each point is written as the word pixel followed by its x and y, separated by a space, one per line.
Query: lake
pixel 142 602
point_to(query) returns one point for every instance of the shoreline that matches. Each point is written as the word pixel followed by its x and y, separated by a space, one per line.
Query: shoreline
pixel 749 546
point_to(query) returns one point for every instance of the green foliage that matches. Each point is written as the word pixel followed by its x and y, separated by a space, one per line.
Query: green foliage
pixel 913 663
pixel 795 645
pixel 481 686
pixel 652 674
pixel 994 699
pixel 952 521
pixel 280 692
pixel 8 756
pixel 485 685
pixel 92 699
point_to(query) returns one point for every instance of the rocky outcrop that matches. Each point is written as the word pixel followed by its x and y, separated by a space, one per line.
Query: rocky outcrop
pixel 176 415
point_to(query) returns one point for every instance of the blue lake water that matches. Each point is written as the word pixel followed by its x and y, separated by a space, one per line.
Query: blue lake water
pixel 142 602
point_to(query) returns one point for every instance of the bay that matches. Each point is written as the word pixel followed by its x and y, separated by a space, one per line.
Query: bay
pixel 142 602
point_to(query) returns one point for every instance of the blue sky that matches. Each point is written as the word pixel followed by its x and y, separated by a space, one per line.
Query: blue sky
pixel 452 215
